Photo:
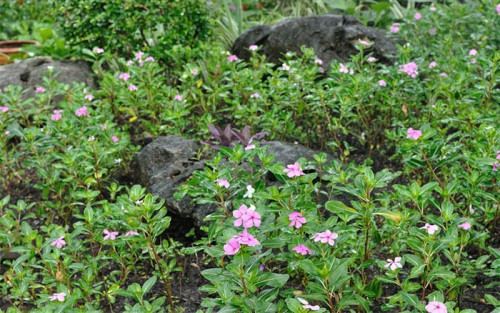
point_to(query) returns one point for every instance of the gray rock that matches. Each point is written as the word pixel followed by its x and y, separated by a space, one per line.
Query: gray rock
pixel 288 153
pixel 29 74
pixel 165 164
pixel 331 36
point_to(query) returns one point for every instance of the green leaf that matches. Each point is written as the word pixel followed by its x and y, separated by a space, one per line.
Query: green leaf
pixel 271 279
pixel 148 284
pixel 410 299
pixel 492 300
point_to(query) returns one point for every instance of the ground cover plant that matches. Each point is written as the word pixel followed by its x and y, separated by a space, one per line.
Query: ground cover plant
pixel 397 212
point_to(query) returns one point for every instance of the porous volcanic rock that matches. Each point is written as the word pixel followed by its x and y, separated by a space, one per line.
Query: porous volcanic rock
pixel 331 36
pixel 29 74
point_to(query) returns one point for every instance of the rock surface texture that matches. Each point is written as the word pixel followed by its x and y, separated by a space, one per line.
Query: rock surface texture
pixel 331 36
pixel 29 74
pixel 168 162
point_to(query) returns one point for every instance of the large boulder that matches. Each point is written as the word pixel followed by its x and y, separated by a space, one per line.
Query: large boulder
pixel 168 162
pixel 331 36
pixel 29 74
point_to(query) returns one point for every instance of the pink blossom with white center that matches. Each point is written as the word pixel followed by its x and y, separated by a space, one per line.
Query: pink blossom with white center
pixel 7 132
pixel 194 71
pixel 306 305
pixel 4 109
pixel 410 68
pixel 130 62
pixel 131 233
pixel 432 64
pixel 302 249
pixel 293 170
pixel 432 8
pixel 255 95
pixel 251 218
pixel 139 55
pixel 232 246
pixel 232 58
pixel 382 83
pixel 296 219
pixel 371 60
pixel 465 226
pixel 82 112
pixel 436 307
pixel 343 68
pixel 59 242
pixel 149 59
pixel 417 16
pixel 98 50
pixel 91 138
pixel 285 67
pixel 326 237
pixel 132 87
pixel 178 97
pixel 56 116
pixel 110 235
pixel 394 28
pixel 472 52
pixel 318 61
pixel 473 61
pixel 115 139
pixel 443 74
pixel 40 90
pixel 253 47
pixel 58 296
pixel 223 183
pixel 413 133
pixel 89 97
pixel 124 76
pixel 431 229
pixel 239 214
pixel 394 264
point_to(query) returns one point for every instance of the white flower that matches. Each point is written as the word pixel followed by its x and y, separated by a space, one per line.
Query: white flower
pixel 249 193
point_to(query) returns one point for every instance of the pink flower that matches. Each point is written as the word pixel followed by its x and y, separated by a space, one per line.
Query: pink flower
pixel 255 95
pixel 56 116
pixel 394 28
pixel 473 52
pixel 296 219
pixel 149 59
pixel 139 55
pixel 293 170
pixel 302 250
pixel 132 87
pixel 411 69
pixel 59 242
pixel 249 147
pixel 473 61
pixel 318 61
pixel 326 237
pixel 343 68
pixel 131 233
pixel 232 246
pixel 432 8
pixel 239 214
pixel 4 109
pixel 82 112
pixel 431 229
pixel 436 307
pixel 98 50
pixel 124 76
pixel 110 235
pixel 394 264
pixel 432 64
pixel 465 226
pixel 232 58
pixel 40 89
pixel 247 239
pixel 443 74
pixel 178 97
pixel 91 138
pixel 495 165
pixel 89 97
pixel 498 9
pixel 371 60
pixel 58 296
pixel 130 62
pixel 223 183
pixel 382 83
pixel 194 71
pixel 285 67
pixel 253 47
pixel 417 16
pixel 115 139
pixel 498 155
pixel 306 305
pixel 251 218
pixel 413 133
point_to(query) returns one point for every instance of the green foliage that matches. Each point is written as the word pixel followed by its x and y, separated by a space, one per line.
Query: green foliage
pixel 126 27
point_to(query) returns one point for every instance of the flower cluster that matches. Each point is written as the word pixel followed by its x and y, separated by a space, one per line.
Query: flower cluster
pixel 247 217
pixel 234 244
